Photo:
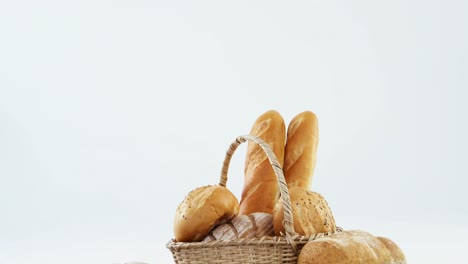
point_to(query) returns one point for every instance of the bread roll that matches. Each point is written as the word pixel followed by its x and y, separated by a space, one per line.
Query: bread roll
pixel 254 225
pixel 203 209
pixel 261 191
pixel 311 213
pixel 300 154
pixel 351 247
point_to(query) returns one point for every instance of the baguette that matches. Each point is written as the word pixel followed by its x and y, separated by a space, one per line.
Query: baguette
pixel 300 154
pixel 261 191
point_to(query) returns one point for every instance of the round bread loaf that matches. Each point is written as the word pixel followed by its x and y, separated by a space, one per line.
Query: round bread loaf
pixel 203 209
pixel 311 213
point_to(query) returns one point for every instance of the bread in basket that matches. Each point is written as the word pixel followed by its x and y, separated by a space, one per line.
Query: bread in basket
pixel 284 248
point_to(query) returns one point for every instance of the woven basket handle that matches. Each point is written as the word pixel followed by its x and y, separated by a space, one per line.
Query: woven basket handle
pixel 288 218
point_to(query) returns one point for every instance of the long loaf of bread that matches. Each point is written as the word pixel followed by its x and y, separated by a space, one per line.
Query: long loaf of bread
pixel 261 191
pixel 352 246
pixel 311 212
pixel 301 150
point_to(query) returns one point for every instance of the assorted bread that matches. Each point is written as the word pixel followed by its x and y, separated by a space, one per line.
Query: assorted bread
pixel 213 213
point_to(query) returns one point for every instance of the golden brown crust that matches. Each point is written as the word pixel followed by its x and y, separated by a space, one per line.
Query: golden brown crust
pixel 203 209
pixel 301 150
pixel 261 191
pixel 395 251
pixel 354 246
pixel 311 213
pixel 321 252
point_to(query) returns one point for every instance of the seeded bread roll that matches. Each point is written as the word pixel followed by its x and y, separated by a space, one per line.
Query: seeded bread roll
pixel 254 225
pixel 311 213
pixel 261 191
pixel 301 150
pixel 203 209
pixel 349 247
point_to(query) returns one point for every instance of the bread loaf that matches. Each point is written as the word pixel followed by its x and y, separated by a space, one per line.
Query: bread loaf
pixel 254 225
pixel 203 209
pixel 395 251
pixel 301 150
pixel 349 247
pixel 260 191
pixel 311 213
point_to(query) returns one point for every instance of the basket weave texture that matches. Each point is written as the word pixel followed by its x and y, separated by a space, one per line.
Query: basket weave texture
pixel 278 249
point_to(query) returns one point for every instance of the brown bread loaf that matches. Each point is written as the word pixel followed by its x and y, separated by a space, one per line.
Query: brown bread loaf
pixel 311 213
pixel 203 209
pixel 351 247
pixel 395 251
pixel 254 225
pixel 260 191
pixel 300 154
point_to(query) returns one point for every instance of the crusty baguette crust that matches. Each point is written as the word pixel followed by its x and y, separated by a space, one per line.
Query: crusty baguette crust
pixel 261 191
pixel 301 150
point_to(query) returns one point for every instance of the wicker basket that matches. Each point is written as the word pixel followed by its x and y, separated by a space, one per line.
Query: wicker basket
pixel 278 249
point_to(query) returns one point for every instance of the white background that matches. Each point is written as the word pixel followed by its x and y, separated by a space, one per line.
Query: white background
pixel 111 111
